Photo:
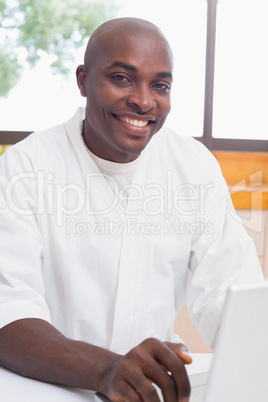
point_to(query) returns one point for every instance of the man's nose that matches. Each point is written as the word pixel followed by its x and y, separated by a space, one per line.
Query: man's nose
pixel 142 97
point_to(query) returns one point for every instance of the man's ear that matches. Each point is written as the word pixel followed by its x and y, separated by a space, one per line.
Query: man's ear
pixel 81 75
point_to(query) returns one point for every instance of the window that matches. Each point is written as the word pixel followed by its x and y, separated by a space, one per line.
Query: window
pixel 237 79
pixel 241 71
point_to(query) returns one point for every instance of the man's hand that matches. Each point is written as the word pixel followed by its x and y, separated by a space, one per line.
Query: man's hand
pixel 131 378
pixel 35 349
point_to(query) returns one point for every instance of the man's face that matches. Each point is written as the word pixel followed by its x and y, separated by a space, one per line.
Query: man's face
pixel 128 95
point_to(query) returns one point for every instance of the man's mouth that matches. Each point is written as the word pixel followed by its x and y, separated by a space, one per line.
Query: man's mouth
pixel 133 122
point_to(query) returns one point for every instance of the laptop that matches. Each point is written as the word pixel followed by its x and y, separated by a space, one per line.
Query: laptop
pixel 239 369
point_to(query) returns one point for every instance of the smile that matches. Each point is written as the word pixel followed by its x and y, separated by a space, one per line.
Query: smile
pixel 133 122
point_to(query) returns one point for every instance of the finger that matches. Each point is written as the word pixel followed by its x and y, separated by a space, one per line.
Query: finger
pixel 180 376
pixel 144 386
pixel 173 382
pixel 181 351
pixel 173 364
pixel 118 387
pixel 164 381
pixel 126 393
pixel 158 371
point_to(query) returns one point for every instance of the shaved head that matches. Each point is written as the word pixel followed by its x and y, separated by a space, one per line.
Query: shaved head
pixel 127 79
pixel 110 32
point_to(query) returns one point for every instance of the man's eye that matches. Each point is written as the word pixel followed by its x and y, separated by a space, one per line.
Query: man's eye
pixel 162 87
pixel 119 77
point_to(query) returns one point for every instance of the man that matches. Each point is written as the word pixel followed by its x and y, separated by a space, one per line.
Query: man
pixel 100 220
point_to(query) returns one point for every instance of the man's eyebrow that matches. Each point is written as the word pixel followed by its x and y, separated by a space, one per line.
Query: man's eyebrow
pixel 165 75
pixel 122 65
pixel 134 69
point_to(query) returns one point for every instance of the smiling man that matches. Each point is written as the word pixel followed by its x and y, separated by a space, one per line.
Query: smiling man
pixel 96 311
pixel 127 82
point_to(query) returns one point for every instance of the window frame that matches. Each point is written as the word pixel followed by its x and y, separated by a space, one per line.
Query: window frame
pixel 221 144
pixel 11 137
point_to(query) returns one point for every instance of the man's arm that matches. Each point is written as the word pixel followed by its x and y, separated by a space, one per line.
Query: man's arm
pixel 34 348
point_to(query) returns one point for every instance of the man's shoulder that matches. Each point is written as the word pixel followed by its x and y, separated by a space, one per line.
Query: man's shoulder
pixel 40 144
pixel 187 158
pixel 36 144
pixel 174 145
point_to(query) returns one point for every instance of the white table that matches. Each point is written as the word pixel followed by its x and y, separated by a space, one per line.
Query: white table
pixel 14 388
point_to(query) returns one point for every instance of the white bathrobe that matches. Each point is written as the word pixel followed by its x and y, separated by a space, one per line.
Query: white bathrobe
pixel 110 265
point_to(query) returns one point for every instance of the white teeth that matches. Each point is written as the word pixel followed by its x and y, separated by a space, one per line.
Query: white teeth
pixel 135 122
